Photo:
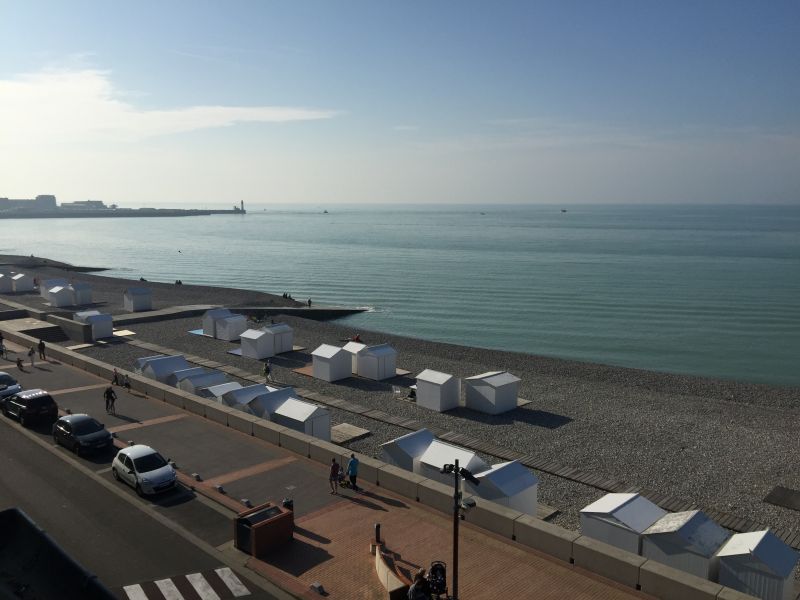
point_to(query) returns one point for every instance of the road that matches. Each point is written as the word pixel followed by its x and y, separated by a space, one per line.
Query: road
pixel 111 532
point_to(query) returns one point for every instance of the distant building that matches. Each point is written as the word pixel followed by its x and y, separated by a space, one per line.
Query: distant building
pixel 85 205
pixel 42 202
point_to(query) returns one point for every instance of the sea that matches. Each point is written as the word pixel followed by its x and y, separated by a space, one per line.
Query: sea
pixel 704 290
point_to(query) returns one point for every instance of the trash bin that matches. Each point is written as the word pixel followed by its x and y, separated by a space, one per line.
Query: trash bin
pixel 263 528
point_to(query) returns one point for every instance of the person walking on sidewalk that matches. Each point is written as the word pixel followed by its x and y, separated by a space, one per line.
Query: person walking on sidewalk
pixel 352 471
pixel 333 478
pixel 110 396
pixel 42 348
pixel 267 372
pixel 32 355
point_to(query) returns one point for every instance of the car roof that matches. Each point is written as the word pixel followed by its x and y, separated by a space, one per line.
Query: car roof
pixel 34 393
pixel 76 418
pixel 137 451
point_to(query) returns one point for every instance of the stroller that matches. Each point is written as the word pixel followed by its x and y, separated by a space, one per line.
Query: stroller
pixel 342 479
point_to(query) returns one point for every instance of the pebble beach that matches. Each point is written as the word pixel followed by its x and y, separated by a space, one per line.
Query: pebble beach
pixel 717 443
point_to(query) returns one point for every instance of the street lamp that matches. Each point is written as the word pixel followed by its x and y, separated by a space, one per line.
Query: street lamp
pixel 458 506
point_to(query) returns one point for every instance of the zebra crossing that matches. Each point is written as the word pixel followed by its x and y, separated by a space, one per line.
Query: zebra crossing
pixel 219 584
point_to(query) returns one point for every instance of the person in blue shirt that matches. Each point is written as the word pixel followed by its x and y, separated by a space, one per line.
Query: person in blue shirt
pixel 352 471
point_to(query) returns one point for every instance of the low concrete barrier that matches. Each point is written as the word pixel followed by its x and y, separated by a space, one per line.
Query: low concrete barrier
pixel 671 584
pixel 219 413
pixel 395 588
pixel 545 537
pixel 322 452
pixel 436 495
pixel 268 431
pixel 493 517
pixel 608 561
pixel 399 480
pixel 295 441
pixel 241 421
pixel 80 332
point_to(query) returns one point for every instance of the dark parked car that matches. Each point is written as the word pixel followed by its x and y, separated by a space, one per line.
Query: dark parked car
pixel 8 385
pixel 30 406
pixel 81 433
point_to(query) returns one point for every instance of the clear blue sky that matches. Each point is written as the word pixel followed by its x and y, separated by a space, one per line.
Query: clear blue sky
pixel 327 101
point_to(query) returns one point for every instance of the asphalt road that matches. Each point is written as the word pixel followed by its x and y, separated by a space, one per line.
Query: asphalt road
pixel 112 534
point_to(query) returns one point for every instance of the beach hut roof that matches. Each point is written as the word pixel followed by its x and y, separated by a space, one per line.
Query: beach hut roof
pixel 380 350
pixel 18 276
pixel 54 282
pixel 631 510
pixel 137 291
pixel 298 410
pixel 57 289
pixel 414 443
pixel 223 388
pixel 253 334
pixel 432 376
pixel 218 313
pixel 80 285
pixel 693 530
pixel 510 478
pixel 278 328
pixel 765 547
pixel 440 453
pixel 141 362
pixel 85 314
pixel 182 374
pixel 495 378
pixel 327 351
pixel 243 395
pixel 354 347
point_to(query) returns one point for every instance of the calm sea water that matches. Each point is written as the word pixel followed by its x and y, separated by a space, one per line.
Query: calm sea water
pixel 705 290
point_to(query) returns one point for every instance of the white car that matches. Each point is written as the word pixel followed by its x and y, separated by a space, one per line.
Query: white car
pixel 143 469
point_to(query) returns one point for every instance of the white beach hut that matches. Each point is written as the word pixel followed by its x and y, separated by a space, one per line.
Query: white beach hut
pixel 48 284
pixel 102 324
pixel 438 391
pixel 756 563
pixel 256 343
pixel 438 454
pixel 161 367
pixel 60 296
pixel 219 390
pixel 331 363
pixel 263 405
pixel 684 540
pixel 620 520
pixel 196 384
pixel 6 283
pixel 304 417
pixel 403 451
pixel 177 376
pixel 210 319
pixel 354 348
pixel 493 393
pixel 510 484
pixel 22 282
pixel 81 293
pixel 137 299
pixel 378 362
pixel 231 328
pixel 240 397
pixel 282 337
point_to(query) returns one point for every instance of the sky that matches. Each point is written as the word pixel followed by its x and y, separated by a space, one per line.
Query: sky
pixel 321 102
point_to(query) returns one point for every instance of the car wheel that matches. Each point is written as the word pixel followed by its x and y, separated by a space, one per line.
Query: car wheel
pixel 55 439
pixel 5 410
pixel 139 490
pixel 114 473
pixel 23 420
pixel 76 448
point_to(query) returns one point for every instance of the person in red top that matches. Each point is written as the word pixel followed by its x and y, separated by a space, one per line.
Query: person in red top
pixel 334 476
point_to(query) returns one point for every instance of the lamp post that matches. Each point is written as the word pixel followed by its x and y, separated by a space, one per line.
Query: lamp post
pixel 458 506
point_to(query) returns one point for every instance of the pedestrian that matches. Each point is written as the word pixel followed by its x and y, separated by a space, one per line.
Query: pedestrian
pixel 42 348
pixel 126 382
pixel 19 364
pixel 110 395
pixel 309 303
pixel 352 471
pixel 334 476
pixel 3 351
pixel 32 355
pixel 420 589
pixel 115 379
pixel 267 372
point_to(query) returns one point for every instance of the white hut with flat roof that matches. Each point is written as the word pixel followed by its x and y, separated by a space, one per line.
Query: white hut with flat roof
pixel 81 293
pixel 22 282
pixel 102 324
pixel 492 393
pixel 256 343
pixel 438 391
pixel 6 283
pixel 60 297
pixel 684 540
pixel 510 484
pixel 176 377
pixel 210 319
pixel 620 520
pixel 756 563
pixel 48 284
pixel 219 390
pixel 354 348
pixel 231 328
pixel 378 362
pixel 161 367
pixel 282 337
pixel 438 454
pixel 195 384
pixel 331 363
pixel 304 417
pixel 403 451
pixel 137 299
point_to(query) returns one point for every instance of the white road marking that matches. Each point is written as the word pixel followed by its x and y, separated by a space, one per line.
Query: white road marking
pixel 200 585
pixel 135 592
pixel 230 579
pixel 169 590
pixel 103 471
